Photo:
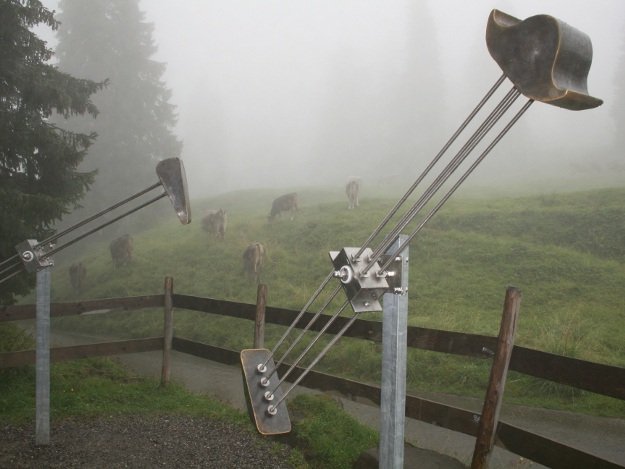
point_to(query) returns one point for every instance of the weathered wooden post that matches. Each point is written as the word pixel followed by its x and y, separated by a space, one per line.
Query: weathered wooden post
pixel 259 326
pixel 168 330
pixel 487 428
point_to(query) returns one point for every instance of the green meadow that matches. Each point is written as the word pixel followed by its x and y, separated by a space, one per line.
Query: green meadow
pixel 565 251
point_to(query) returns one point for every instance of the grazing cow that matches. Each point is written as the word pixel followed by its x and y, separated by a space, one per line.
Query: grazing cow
pixel 77 275
pixel 253 259
pixel 352 189
pixel 215 222
pixel 121 250
pixel 284 203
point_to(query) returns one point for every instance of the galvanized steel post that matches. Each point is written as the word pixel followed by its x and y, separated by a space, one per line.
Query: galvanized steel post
pixel 42 377
pixel 393 386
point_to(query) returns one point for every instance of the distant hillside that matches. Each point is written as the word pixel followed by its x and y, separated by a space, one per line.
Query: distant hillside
pixel 565 252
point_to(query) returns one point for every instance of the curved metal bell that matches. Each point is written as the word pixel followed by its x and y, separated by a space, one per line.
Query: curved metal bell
pixel 545 58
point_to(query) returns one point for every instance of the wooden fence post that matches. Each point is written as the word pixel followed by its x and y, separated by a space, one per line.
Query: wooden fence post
pixel 494 394
pixel 259 326
pixel 168 330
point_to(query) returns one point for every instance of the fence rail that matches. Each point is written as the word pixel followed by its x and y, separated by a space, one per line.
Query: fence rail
pixel 594 377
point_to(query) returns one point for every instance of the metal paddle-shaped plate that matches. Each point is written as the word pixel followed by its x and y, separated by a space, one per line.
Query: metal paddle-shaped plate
pixel 257 404
pixel 174 180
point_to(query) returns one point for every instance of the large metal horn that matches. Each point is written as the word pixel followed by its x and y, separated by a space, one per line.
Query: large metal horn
pixel 173 178
pixel 545 58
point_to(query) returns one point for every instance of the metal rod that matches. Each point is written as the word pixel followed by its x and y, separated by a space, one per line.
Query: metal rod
pixel 9 259
pixel 478 135
pixel 435 160
pixel 297 318
pixel 310 345
pixel 460 181
pixel 455 162
pixel 19 266
pixel 301 335
pixel 317 358
pixel 74 227
pixel 97 215
pixel 84 235
pixel 393 212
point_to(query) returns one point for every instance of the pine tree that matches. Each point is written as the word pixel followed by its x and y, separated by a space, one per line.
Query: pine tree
pixel 39 180
pixel 109 39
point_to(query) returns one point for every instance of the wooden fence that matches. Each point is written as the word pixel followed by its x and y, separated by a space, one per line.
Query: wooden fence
pixel 598 378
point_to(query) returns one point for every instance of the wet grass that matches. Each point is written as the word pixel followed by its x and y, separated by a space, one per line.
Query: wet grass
pixel 565 251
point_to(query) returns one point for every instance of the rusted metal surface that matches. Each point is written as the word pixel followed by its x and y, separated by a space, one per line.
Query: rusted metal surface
pixel 545 58
pixel 497 382
pixel 260 399
pixel 172 175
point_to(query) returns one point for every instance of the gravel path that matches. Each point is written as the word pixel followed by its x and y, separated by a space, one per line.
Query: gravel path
pixel 141 442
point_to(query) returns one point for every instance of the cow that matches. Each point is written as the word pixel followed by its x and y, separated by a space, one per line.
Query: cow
pixel 253 260
pixel 284 203
pixel 352 189
pixel 77 275
pixel 121 250
pixel 214 222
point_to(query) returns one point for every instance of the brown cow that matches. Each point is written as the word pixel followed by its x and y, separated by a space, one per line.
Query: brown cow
pixel 284 203
pixel 77 275
pixel 352 189
pixel 253 260
pixel 215 222
pixel 121 250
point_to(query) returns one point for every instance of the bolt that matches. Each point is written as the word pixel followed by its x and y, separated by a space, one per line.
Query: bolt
pixel 271 410
pixel 264 382
pixel 269 396
pixel 261 368
pixel 28 256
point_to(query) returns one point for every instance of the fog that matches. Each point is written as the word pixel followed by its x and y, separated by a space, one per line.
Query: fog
pixel 287 93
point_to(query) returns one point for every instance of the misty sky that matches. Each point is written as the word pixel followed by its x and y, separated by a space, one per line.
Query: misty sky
pixel 287 93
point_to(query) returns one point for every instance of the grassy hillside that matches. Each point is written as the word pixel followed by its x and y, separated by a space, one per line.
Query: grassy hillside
pixel 566 252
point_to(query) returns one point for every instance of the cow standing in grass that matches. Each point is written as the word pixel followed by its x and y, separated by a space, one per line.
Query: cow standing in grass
pixel 352 190
pixel 77 275
pixel 284 203
pixel 121 250
pixel 214 222
pixel 253 260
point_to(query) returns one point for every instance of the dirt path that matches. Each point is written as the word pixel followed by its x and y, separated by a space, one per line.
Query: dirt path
pixel 602 436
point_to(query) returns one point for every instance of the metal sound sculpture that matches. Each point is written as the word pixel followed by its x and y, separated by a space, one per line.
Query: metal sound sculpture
pixel 34 256
pixel 546 60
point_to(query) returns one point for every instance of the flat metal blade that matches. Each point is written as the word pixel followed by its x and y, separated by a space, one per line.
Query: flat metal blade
pixel 257 404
